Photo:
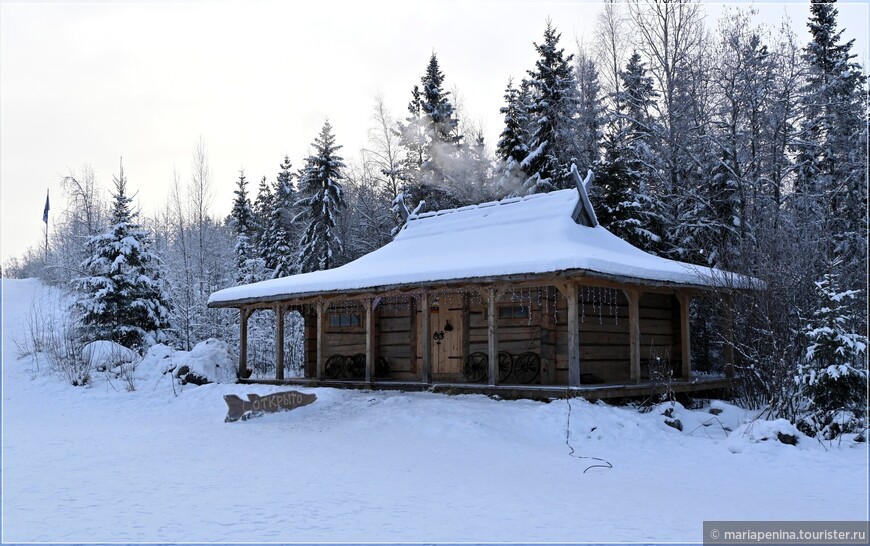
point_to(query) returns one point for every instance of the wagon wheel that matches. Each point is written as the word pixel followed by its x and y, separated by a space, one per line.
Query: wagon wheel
pixel 475 367
pixel 527 367
pixel 382 367
pixel 334 366
pixel 505 365
pixel 356 366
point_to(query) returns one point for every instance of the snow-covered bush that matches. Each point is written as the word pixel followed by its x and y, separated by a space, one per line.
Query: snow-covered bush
pixel 761 430
pixel 833 380
pixel 51 336
pixel 114 360
pixel 210 361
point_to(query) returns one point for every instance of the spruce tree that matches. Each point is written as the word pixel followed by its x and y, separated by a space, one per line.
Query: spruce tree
pixel 831 184
pixel 412 135
pixel 553 107
pixel 512 145
pixel 281 235
pixel 834 376
pixel 249 266
pixel 587 125
pixel 260 209
pixel 122 295
pixel 622 198
pixel 322 202
pixel 432 142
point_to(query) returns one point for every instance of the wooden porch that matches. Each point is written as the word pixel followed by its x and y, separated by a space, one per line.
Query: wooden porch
pixel 594 338
pixel 700 386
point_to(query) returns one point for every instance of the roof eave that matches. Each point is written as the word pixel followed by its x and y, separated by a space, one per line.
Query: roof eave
pixel 550 277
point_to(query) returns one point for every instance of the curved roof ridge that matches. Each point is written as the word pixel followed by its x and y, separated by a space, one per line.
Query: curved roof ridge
pixel 486 204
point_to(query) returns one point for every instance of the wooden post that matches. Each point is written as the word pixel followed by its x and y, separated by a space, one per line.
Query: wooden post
pixel 728 303
pixel 426 349
pixel 633 297
pixel 413 347
pixel 492 337
pixel 279 343
pixel 243 342
pixel 466 327
pixel 685 337
pixel 321 317
pixel 370 339
pixel 573 335
pixel 548 347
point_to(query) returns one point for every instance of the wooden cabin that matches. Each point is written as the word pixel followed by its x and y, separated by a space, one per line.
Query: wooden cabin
pixel 528 294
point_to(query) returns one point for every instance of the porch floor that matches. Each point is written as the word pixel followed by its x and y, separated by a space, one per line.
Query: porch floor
pixel 602 391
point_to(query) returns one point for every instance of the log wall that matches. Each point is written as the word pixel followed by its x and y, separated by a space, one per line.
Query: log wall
pixel 603 325
pixel 659 332
pixel 396 343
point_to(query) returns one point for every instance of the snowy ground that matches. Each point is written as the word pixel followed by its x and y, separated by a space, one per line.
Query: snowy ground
pixel 100 464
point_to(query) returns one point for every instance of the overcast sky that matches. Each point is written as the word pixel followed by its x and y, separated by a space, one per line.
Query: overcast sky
pixel 87 83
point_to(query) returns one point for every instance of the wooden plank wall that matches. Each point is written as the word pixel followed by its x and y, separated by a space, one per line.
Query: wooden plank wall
pixel 604 333
pixel 310 335
pixel 659 329
pixel 345 340
pixel 396 326
pixel 520 335
pixel 604 336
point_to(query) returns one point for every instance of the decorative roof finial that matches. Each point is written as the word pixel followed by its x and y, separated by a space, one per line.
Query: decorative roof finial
pixel 584 214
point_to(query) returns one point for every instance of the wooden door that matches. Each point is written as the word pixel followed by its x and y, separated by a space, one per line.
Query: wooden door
pixel 447 337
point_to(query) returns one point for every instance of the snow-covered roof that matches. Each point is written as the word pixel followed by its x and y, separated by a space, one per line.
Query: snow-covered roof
pixel 533 235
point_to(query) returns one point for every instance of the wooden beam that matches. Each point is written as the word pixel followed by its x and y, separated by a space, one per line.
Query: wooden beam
pixel 321 318
pixel 524 279
pixel 573 336
pixel 685 336
pixel 548 347
pixel 370 339
pixel 426 335
pixel 413 348
pixel 243 342
pixel 492 337
pixel 633 297
pixel 279 342
pixel 728 304
pixel 466 327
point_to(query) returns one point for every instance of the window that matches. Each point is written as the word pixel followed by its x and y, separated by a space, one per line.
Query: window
pixel 513 312
pixel 344 320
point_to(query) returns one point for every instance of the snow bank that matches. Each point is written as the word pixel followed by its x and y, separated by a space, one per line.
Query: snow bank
pixel 106 355
pixel 210 361
pixel 417 466
pixel 776 432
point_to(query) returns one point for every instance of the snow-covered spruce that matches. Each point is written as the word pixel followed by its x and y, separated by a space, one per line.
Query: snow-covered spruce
pixel 122 296
pixel 833 380
pixel 321 202
pixel 553 104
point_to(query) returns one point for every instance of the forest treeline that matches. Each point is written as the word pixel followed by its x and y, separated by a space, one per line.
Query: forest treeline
pixel 735 147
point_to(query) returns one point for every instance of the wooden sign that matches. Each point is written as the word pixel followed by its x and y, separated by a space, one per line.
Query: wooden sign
pixel 256 405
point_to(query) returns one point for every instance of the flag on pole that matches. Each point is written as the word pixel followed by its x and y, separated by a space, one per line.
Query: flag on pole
pixel 45 212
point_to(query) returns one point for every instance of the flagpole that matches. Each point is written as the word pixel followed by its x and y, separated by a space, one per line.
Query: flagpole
pixel 45 219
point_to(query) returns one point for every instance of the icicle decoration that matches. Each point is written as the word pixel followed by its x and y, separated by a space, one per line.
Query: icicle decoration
pixel 529 299
pixel 616 314
pixel 555 306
